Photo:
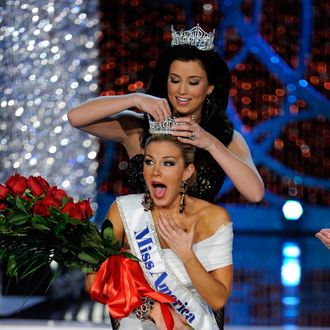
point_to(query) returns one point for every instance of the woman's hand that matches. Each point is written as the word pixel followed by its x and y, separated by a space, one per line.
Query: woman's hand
pixel 90 278
pixel 324 236
pixel 158 108
pixel 180 241
pixel 180 323
pixel 188 131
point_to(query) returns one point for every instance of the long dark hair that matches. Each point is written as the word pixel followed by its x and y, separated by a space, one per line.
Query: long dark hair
pixel 214 119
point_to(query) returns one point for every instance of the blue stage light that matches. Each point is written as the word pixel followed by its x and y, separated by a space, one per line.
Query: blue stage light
pixel 292 210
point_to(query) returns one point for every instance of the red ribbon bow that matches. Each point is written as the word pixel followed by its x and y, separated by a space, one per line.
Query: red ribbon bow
pixel 120 284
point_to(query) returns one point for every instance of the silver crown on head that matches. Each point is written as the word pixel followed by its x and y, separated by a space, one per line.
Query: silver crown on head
pixel 195 37
pixel 163 127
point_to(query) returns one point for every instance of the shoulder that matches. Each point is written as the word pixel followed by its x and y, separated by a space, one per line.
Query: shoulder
pixel 211 216
pixel 218 214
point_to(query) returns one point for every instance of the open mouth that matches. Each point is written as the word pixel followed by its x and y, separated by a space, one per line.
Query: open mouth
pixel 182 100
pixel 159 189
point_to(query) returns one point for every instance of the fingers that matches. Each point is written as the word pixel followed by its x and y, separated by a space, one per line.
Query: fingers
pixel 162 110
pixel 186 128
pixel 168 228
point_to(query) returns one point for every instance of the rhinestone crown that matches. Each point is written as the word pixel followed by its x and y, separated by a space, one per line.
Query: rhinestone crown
pixel 163 127
pixel 195 37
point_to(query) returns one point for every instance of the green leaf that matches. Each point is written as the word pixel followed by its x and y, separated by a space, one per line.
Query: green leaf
pixel 74 221
pixel 40 223
pixel 131 256
pixel 87 269
pixel 19 218
pixel 64 200
pixel 20 203
pixel 88 258
pixel 12 266
pixel 54 212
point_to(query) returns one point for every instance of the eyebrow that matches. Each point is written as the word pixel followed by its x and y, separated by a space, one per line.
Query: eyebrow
pixel 165 157
pixel 174 74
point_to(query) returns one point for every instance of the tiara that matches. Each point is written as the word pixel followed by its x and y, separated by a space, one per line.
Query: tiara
pixel 163 127
pixel 195 37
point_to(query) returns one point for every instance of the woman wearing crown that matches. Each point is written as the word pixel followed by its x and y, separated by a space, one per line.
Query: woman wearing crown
pixel 182 253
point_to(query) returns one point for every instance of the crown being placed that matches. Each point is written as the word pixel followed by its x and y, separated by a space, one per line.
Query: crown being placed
pixel 163 127
pixel 195 37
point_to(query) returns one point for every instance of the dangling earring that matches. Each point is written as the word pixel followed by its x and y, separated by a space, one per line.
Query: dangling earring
pixel 208 105
pixel 147 201
pixel 183 190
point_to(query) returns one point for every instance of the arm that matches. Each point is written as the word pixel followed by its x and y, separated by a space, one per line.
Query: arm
pixel 236 160
pixel 213 286
pixel 237 163
pixel 98 116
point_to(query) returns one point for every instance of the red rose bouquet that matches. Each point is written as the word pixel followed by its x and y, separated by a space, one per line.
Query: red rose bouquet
pixel 40 224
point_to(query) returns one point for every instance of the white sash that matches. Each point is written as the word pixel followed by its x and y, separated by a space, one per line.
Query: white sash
pixel 145 245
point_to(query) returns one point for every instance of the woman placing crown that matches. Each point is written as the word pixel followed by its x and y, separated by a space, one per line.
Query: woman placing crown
pixel 182 253
pixel 191 82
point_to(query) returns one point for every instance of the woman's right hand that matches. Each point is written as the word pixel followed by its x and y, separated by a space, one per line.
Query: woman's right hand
pixel 157 107
pixel 180 323
pixel 90 278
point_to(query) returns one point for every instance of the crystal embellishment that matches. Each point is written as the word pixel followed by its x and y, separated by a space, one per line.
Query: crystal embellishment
pixel 195 37
pixel 163 127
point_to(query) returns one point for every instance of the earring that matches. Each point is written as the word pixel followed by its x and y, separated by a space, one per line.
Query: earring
pixel 183 190
pixel 147 201
pixel 208 105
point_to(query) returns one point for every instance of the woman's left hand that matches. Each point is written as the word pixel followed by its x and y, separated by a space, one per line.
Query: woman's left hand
pixel 179 240
pixel 188 131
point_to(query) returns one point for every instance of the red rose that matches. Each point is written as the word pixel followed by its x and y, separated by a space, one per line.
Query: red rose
pixel 38 185
pixel 3 192
pixel 73 210
pixel 49 200
pixel 85 208
pixel 2 206
pixel 58 194
pixel 40 208
pixel 17 183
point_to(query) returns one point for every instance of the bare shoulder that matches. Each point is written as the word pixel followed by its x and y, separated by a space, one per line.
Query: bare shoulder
pixel 218 214
pixel 211 216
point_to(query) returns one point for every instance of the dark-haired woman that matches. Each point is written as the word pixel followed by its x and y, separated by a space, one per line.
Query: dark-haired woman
pixel 192 83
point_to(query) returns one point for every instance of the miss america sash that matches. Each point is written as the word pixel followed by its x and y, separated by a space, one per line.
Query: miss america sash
pixel 145 245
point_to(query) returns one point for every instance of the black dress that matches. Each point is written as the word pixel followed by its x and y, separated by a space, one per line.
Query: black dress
pixel 209 180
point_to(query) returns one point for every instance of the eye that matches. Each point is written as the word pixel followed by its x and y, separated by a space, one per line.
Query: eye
pixel 169 163
pixel 148 161
pixel 195 83
pixel 174 80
